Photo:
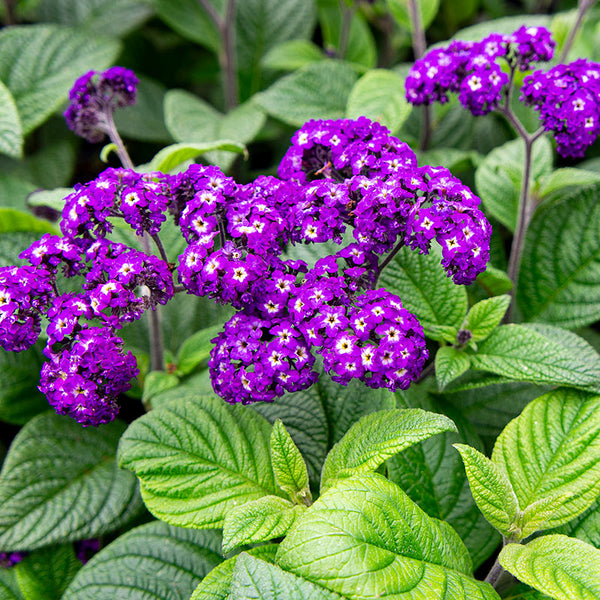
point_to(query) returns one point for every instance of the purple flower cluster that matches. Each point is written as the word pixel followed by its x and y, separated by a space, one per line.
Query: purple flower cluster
pixel 93 99
pixel 470 70
pixel 10 559
pixel 568 100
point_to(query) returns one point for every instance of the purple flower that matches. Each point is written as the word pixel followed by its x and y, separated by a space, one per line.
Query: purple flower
pixel 51 251
pixel 85 549
pixel 531 44
pixel 10 559
pixel 93 99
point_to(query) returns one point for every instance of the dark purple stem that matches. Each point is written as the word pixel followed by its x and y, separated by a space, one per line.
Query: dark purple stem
pixel 388 259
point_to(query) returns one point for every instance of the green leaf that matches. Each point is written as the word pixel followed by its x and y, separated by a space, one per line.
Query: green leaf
pixel 586 526
pixel 289 467
pixel 292 55
pixel 494 281
pixel 504 25
pixel 14 191
pixel 377 437
pixel 379 95
pixel 450 363
pixel 539 354
pixel 258 521
pixel 11 133
pixel 425 290
pixel 559 278
pixel 217 584
pixel 198 458
pixel 12 220
pixel 317 91
pixel 156 382
pixel 400 10
pixel 55 467
pixel 9 588
pixel 365 538
pixel 491 490
pixel 45 574
pixel 107 150
pixel 254 578
pixel 559 432
pixel 40 63
pixel 155 560
pixel 485 316
pixel 195 351
pixel 12 244
pixel 52 198
pixel 566 177
pixel 564 568
pixel 172 156
pixel 498 178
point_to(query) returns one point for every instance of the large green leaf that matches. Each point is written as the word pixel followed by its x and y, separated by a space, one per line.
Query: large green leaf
pixel 11 133
pixel 318 91
pixel 155 561
pixel 292 55
pixel 9 588
pixel 559 433
pixel 485 316
pixel 498 178
pixel 586 526
pixel 12 220
pixel 54 468
pixel 379 95
pixel 567 177
pixel 365 538
pixel 559 278
pixel 197 458
pixel 14 191
pixel 172 156
pixel 377 437
pixel 539 354
pixel 254 578
pixel 400 10
pixel 46 573
pixel 40 63
pixel 564 568
pixel 425 290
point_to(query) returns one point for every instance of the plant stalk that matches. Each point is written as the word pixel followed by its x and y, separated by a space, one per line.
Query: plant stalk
pixel 494 575
pixel 347 14
pixel 582 8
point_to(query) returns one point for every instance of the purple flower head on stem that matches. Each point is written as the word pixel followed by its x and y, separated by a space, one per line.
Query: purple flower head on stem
pixel 530 44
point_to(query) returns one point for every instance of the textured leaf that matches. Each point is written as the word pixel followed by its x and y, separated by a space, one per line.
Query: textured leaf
pixel 217 584
pixel 52 198
pixel 565 178
pixel 379 95
pixel 11 133
pixel 491 490
pixel 155 561
pixel 365 538
pixel 401 12
pixel 12 220
pixel 317 91
pixel 9 588
pixel 425 290
pixel 196 349
pixel 450 363
pixel 197 458
pixel 40 63
pixel 560 434
pixel 289 467
pixel 498 178
pixel 494 281
pixel 156 382
pixel 539 354
pixel 559 278
pixel 292 55
pixel 54 468
pixel 45 574
pixel 172 156
pixel 14 191
pixel 586 526
pixel 485 316
pixel 254 578
pixel 564 568
pixel 12 244
pixel 377 437
pixel 259 521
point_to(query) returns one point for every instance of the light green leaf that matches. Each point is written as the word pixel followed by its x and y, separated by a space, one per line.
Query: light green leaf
pixel 365 538
pixel 172 156
pixel 494 281
pixel 289 467
pixel 107 150
pixel 491 490
pixel 155 560
pixel 53 198
pixel 586 526
pixel 498 178
pixel 254 578
pixel 14 191
pixel 12 221
pixel 217 584
pixel 195 351
pixel 485 316
pixel 559 278
pixel 198 458
pixel 401 12
pixel 317 91
pixel 40 63
pixel 566 177
pixel 156 382
pixel 379 95
pixel 539 354
pixel 450 363
pixel 45 574
pixel 258 521
pixel 559 432
pixel 564 568
pixel 377 437
pixel 9 588
pixel 425 290
pixel 55 467
pixel 292 55
pixel 11 132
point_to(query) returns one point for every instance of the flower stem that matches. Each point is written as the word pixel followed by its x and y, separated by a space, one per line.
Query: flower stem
pixel 494 575
pixel 582 8
pixel 111 130
pixel 160 247
pixel 347 14
pixel 388 259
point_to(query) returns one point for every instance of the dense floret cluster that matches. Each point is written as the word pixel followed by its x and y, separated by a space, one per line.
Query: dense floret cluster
pixel 470 70
pixel 568 100
pixel 95 96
